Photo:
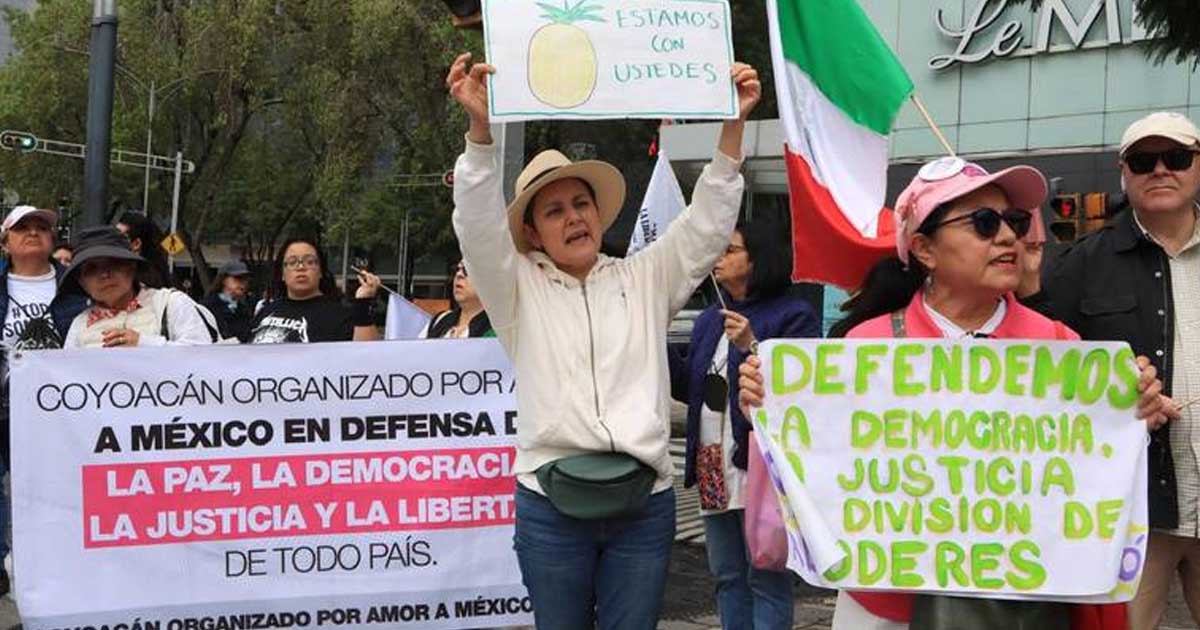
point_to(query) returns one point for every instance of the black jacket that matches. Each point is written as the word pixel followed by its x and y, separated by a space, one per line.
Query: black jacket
pixel 480 326
pixel 232 323
pixel 1115 285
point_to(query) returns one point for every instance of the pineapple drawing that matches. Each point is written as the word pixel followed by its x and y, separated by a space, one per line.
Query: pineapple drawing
pixel 562 60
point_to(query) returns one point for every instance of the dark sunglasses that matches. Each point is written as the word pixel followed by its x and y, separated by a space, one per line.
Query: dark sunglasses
pixel 986 221
pixel 1143 162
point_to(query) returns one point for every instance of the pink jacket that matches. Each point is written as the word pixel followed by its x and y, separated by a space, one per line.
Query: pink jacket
pixel 1019 323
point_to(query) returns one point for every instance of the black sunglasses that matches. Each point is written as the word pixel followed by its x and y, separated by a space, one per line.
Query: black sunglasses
pixel 1177 159
pixel 986 221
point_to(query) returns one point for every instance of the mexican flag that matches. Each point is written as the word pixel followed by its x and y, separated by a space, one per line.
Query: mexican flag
pixel 839 89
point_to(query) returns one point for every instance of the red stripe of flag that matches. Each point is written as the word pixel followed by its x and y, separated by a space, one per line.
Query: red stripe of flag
pixel 826 248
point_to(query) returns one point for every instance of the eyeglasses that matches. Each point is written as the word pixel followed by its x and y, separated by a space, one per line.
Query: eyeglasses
pixel 1143 162
pixel 299 262
pixel 986 221
pixel 460 269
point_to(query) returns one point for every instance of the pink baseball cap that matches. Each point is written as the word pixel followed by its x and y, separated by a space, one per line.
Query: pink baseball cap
pixel 949 178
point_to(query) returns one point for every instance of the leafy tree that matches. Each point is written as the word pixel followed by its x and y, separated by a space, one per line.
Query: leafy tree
pixel 295 113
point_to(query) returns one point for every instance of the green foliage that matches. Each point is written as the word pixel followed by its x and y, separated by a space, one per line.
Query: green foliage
pixel 296 113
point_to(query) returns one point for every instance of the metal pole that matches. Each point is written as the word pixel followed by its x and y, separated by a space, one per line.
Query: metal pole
pixel 401 254
pixel 403 279
pixel 175 203
pixel 510 138
pixel 346 261
pixel 100 105
pixel 149 137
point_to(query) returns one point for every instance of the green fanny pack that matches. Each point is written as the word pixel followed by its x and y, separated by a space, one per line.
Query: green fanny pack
pixel 597 485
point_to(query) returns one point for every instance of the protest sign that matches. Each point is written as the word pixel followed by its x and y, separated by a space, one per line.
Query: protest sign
pixel 293 485
pixel 581 59
pixel 1009 469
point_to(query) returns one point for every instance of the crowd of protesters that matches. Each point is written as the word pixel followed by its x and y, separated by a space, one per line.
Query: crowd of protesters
pixel 586 335
pixel 595 505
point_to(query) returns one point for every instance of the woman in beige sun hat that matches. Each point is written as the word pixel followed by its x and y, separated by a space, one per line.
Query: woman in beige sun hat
pixel 595 513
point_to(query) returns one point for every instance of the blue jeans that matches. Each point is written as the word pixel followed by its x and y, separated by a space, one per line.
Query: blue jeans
pixel 607 573
pixel 747 598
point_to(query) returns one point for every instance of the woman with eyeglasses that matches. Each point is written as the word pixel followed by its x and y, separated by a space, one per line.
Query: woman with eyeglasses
pixel 754 275
pixel 308 307
pixel 959 234
pixel 466 318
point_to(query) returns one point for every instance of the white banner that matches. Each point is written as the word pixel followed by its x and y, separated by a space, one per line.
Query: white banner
pixel 993 468
pixel 581 59
pixel 293 485
pixel 663 202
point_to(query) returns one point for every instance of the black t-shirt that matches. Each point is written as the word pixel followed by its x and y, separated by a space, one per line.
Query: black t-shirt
pixel 303 321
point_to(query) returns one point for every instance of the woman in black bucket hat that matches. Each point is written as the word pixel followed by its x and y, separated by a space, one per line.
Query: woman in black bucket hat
pixel 124 313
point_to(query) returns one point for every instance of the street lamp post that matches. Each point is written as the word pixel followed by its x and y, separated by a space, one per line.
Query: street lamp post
pixel 100 106
pixel 149 136
pixel 153 92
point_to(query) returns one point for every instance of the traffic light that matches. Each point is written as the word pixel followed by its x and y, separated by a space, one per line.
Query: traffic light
pixel 1066 206
pixel 20 141
pixel 1095 205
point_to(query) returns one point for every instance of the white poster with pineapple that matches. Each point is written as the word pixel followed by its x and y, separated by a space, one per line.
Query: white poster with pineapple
pixel 587 59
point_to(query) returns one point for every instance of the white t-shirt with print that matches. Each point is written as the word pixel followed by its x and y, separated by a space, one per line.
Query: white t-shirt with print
pixel 29 325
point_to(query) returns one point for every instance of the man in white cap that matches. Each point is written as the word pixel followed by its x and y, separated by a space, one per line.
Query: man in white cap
pixel 1138 280
pixel 30 317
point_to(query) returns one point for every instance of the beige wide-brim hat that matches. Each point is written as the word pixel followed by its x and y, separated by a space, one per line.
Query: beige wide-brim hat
pixel 550 166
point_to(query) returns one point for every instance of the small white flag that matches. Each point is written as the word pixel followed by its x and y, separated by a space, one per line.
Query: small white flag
pixel 663 202
pixel 405 320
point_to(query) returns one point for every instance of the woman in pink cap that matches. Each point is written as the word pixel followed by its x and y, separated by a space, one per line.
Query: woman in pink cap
pixel 961 236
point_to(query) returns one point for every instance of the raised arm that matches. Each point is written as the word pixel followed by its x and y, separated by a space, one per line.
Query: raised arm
pixel 479 210
pixel 690 247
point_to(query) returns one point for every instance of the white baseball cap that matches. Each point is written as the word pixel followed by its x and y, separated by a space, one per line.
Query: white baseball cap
pixel 1169 125
pixel 20 213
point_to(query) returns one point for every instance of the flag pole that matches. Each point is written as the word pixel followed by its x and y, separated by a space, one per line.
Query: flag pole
pixel 932 125
pixel 381 285
pixel 717 286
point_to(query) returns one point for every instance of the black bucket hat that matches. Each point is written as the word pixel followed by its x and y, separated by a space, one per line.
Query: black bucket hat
pixel 93 243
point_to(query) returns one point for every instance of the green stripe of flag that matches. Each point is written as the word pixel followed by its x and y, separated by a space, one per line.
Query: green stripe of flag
pixel 835 44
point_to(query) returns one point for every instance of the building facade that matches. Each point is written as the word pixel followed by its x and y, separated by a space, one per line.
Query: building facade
pixel 1054 87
